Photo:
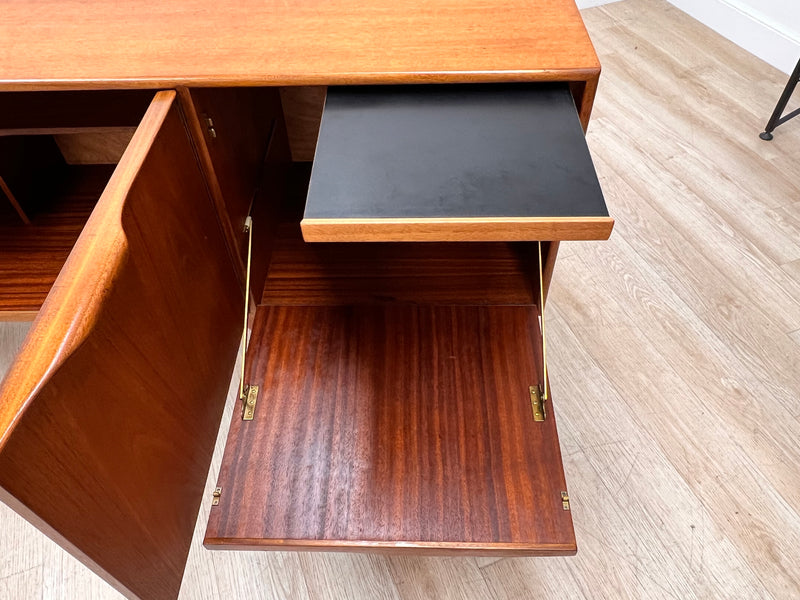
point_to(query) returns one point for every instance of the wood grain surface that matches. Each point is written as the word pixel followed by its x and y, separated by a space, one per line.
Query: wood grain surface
pixel 198 129
pixel 200 43
pixel 110 411
pixel 8 199
pixel 104 146
pixel 697 290
pixel 440 229
pixel 273 188
pixel 394 427
pixel 52 199
pixel 302 109
pixel 451 273
pixel 245 155
pixel 291 43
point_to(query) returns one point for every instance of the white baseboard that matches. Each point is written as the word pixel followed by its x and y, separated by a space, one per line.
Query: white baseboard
pixel 748 28
pixel 591 3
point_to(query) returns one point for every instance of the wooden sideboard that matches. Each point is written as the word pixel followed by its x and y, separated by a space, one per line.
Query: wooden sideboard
pixel 384 186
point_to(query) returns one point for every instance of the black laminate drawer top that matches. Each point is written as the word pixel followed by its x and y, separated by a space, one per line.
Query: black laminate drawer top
pixel 499 161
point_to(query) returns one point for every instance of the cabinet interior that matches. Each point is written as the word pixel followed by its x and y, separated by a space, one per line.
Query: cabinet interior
pixel 342 273
pixel 57 153
pixel 394 405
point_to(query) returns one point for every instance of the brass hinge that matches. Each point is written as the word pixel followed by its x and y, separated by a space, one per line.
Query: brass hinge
pixel 215 496
pixel 539 394
pixel 210 127
pixel 537 403
pixel 247 394
pixel 249 398
pixel 565 500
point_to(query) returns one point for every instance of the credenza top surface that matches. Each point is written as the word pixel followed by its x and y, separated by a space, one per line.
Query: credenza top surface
pixel 72 44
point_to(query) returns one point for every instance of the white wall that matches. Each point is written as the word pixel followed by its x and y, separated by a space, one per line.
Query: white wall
pixel 770 29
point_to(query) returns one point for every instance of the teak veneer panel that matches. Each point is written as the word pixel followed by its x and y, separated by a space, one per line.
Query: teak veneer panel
pixel 397 428
pixel 302 109
pixel 479 229
pixel 152 44
pixel 104 146
pixel 109 415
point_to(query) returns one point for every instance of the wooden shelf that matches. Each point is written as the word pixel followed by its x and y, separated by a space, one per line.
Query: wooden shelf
pixel 393 427
pixel 32 255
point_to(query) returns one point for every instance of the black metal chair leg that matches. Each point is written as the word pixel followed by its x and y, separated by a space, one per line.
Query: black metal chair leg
pixel 777 117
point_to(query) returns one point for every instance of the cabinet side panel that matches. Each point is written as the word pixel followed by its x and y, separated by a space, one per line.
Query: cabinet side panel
pixel 302 107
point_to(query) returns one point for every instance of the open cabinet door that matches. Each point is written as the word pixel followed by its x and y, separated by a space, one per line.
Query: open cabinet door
pixel 109 416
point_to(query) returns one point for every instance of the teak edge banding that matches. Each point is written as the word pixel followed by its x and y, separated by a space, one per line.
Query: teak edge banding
pixel 305 79
pixel 100 251
pixel 396 547
pixel 482 229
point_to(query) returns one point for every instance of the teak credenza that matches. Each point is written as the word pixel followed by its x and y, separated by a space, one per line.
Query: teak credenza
pixel 386 184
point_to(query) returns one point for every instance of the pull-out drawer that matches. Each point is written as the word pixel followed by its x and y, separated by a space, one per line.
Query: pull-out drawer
pixel 453 163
